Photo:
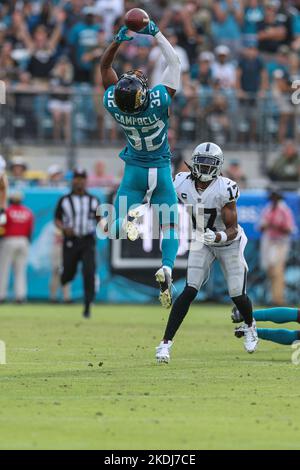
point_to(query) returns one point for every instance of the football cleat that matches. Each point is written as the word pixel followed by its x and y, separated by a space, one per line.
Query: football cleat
pixel 165 284
pixel 163 352
pixel 236 316
pixel 250 336
pixel 131 226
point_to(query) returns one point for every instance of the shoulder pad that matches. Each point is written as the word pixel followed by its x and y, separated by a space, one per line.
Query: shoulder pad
pixel 180 178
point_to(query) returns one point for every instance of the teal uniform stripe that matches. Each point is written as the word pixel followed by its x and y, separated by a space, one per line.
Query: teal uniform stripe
pixel 277 315
pixel 286 337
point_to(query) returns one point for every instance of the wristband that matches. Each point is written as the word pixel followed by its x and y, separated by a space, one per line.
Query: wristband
pixel 223 236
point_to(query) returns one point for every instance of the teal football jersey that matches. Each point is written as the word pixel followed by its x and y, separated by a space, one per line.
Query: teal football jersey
pixel 147 131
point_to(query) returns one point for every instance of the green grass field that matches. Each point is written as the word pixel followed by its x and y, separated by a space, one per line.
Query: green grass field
pixel 74 384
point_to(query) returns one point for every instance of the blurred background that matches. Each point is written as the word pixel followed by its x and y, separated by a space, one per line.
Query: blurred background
pixel 240 66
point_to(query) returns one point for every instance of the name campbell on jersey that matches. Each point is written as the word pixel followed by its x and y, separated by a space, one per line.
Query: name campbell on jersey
pixel 146 132
pixel 220 192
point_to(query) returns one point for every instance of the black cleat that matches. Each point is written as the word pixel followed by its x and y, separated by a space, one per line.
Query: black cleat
pixel 87 311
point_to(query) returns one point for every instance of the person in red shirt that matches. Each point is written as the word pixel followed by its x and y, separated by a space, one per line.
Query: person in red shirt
pixel 15 247
pixel 277 226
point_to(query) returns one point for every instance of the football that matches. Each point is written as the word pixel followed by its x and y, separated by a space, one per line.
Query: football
pixel 136 19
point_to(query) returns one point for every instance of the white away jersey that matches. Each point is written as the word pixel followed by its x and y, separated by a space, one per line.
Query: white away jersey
pixel 219 193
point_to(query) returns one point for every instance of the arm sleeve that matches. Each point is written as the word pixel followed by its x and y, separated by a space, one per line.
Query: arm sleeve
pixel 171 76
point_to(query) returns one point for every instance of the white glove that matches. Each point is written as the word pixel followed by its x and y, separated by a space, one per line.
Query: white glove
pixel 209 237
pixel 2 218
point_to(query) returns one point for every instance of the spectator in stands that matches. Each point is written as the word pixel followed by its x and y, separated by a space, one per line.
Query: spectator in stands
pixel 8 66
pixel 227 22
pixel 252 81
pixel 286 168
pixel 186 110
pixel 60 104
pixel 251 73
pixel 18 169
pixel 285 14
pixel 223 70
pixel 14 248
pixel 141 57
pixel 42 47
pixel 3 32
pixel 73 9
pixel 235 172
pixel 277 225
pixel 282 93
pixel 83 38
pixel 56 177
pixel 282 61
pixel 100 178
pixel 94 53
pixel 272 31
pixel 296 25
pixel 217 115
pixel 253 14
pixel 109 10
pixel 202 70
pixel 155 9
pixel 189 35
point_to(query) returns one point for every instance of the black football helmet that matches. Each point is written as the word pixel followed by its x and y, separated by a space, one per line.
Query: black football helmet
pixel 132 92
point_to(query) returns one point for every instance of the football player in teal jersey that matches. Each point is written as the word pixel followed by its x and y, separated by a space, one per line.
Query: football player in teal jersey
pixel 143 114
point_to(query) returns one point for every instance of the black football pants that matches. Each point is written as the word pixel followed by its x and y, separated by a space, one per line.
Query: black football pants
pixel 78 250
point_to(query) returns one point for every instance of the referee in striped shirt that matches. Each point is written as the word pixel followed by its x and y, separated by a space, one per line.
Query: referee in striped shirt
pixel 75 215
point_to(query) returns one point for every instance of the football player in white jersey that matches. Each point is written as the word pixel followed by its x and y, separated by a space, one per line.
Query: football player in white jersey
pixel 3 191
pixel 224 240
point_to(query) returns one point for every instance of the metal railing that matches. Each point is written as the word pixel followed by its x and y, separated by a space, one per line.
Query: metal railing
pixel 75 117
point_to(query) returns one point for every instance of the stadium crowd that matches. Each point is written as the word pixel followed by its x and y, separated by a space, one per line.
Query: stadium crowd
pixel 239 61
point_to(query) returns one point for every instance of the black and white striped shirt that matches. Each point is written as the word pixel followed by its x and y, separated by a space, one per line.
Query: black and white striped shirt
pixel 78 212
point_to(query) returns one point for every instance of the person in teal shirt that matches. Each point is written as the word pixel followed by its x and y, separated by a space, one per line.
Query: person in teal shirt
pixel 277 315
pixel 83 37
pixel 143 115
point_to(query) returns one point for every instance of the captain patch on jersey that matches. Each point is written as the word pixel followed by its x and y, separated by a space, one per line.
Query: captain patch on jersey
pixel 218 194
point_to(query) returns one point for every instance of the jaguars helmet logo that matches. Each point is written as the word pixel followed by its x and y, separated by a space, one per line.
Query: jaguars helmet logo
pixel 139 99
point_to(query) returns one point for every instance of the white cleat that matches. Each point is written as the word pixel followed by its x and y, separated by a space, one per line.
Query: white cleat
pixel 163 352
pixel 250 336
pixel 131 226
pixel 165 284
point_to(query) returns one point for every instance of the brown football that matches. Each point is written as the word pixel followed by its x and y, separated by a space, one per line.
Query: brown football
pixel 136 19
